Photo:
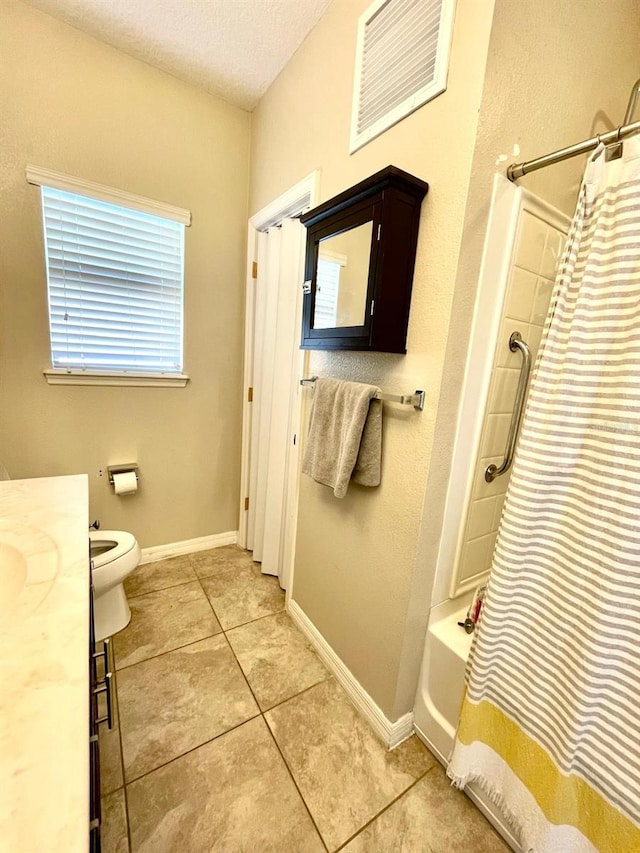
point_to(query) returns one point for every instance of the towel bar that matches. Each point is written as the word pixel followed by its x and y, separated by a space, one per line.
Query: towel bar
pixel 416 399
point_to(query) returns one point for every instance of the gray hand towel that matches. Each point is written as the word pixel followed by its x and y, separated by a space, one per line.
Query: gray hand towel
pixel 345 435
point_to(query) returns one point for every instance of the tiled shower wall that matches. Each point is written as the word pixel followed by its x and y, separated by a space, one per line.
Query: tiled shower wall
pixel 537 248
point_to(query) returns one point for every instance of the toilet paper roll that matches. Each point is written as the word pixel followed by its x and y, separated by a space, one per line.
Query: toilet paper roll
pixel 125 483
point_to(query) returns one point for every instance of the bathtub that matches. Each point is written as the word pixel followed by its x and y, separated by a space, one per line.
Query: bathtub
pixel 440 693
pixel 442 678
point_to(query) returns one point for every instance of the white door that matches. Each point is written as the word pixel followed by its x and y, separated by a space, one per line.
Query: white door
pixel 276 372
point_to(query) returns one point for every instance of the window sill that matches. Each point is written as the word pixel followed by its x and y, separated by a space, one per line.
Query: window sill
pixel 86 377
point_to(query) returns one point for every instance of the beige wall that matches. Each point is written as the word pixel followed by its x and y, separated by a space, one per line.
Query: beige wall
pixel 356 558
pixel 72 104
pixel 557 73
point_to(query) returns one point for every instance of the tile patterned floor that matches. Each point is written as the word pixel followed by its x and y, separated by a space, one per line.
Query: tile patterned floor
pixel 231 735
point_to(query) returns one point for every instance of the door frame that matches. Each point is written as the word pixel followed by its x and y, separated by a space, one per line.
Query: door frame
pixel 299 198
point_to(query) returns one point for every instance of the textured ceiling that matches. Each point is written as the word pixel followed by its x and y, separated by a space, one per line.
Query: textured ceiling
pixel 231 48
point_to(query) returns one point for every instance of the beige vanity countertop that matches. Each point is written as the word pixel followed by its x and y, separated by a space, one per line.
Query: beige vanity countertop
pixel 44 668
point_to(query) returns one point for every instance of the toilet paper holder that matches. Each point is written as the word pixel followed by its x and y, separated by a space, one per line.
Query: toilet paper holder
pixel 121 469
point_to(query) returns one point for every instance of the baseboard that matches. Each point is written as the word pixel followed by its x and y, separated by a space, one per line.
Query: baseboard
pixel 188 546
pixel 391 733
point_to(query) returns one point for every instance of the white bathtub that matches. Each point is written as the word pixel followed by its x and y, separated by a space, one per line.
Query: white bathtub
pixel 439 697
pixel 442 679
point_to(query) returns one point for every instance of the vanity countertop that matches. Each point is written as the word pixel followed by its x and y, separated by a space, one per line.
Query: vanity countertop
pixel 44 668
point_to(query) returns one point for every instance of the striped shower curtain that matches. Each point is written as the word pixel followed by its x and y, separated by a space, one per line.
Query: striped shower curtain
pixel 550 724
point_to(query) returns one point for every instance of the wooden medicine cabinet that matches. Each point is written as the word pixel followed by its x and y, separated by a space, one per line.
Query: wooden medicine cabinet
pixel 360 255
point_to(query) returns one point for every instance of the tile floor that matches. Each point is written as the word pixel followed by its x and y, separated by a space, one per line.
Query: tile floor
pixel 232 736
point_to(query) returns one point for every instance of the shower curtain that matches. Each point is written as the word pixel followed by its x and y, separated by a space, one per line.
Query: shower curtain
pixel 550 724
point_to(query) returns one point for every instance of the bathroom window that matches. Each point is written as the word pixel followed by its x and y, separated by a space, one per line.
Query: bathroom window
pixel 115 273
pixel 402 58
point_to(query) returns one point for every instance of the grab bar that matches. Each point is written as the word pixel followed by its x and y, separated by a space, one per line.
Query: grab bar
pixel 515 343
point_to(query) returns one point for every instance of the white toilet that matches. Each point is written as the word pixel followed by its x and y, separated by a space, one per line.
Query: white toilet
pixel 114 555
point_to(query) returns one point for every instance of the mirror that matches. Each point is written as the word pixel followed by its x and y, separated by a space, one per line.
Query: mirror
pixel 358 271
pixel 342 276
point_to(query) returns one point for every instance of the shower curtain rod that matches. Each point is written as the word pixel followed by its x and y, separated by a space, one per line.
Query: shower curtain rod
pixel 517 170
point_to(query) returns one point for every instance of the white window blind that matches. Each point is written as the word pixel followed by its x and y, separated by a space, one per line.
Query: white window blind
pixel 325 315
pixel 115 280
pixel 401 62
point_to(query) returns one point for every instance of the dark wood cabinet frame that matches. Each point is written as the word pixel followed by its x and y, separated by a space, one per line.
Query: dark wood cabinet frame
pixel 391 200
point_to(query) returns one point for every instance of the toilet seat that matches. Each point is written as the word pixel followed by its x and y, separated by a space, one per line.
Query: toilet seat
pixel 125 542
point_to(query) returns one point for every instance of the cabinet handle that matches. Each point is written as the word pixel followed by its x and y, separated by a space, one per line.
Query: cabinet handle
pixel 104 686
pixel 104 654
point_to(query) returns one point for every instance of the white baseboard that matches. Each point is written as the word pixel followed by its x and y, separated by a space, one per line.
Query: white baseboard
pixel 391 733
pixel 188 546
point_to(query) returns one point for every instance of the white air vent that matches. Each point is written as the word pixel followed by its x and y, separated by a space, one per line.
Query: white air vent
pixel 402 57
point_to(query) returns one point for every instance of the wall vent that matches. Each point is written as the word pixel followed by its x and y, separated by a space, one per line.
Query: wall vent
pixel 402 57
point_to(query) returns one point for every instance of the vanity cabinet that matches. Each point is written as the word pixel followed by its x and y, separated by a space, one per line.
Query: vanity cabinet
pixel 360 257
pixel 95 814
pixel 99 686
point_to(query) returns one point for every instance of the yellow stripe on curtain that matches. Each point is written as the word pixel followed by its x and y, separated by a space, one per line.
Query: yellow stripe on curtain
pixel 563 799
